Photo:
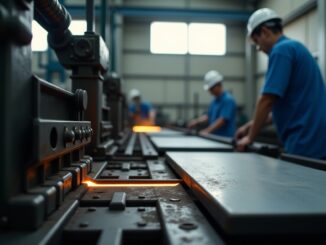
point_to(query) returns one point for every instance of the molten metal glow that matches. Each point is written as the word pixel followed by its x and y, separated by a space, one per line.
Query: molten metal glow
pixel 92 184
pixel 146 129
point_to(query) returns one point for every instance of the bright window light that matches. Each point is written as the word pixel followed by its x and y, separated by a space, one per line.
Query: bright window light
pixel 169 38
pixel 193 38
pixel 77 27
pixel 39 41
pixel 207 39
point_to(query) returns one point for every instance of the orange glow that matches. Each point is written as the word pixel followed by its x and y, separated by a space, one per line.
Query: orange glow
pixel 153 184
pixel 146 129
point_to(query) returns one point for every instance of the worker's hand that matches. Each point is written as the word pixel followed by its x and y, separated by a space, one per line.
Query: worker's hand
pixel 242 144
pixel 192 123
pixel 242 132
pixel 205 131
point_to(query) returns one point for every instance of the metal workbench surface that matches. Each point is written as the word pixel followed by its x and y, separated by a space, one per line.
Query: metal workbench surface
pixel 188 143
pixel 248 193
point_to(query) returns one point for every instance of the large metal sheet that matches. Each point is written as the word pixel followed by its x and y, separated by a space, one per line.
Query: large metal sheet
pixel 248 193
pixel 188 143
pixel 165 132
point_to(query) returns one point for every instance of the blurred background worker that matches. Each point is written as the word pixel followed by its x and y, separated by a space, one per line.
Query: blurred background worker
pixel 293 91
pixel 222 110
pixel 141 113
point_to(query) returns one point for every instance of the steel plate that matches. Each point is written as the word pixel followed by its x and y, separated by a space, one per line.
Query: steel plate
pixel 248 193
pixel 188 143
pixel 165 132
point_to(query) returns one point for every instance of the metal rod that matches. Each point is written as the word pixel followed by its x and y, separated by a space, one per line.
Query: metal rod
pixel 90 13
pixel 103 19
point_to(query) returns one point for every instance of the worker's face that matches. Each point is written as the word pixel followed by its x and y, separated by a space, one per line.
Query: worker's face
pixel 263 40
pixel 136 100
pixel 216 90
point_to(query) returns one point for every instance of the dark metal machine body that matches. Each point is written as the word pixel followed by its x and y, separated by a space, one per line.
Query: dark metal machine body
pixel 70 172
pixel 44 134
pixel 115 100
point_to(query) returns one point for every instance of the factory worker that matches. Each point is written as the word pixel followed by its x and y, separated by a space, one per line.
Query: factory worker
pixel 222 110
pixel 140 112
pixel 293 91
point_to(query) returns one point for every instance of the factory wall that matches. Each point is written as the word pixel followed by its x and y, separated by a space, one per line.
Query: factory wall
pixel 171 82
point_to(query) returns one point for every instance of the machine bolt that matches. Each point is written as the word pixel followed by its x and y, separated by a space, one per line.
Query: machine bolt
pixel 81 99
pixel 83 133
pixel 83 224
pixel 78 133
pixel 83 48
pixel 88 132
pixel 141 223
pixel 188 226
pixel 69 136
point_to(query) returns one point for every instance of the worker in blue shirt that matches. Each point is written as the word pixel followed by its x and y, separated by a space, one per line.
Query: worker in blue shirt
pixel 141 113
pixel 293 91
pixel 222 110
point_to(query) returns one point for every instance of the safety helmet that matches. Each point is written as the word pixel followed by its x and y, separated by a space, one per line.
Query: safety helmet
pixel 259 17
pixel 211 79
pixel 134 93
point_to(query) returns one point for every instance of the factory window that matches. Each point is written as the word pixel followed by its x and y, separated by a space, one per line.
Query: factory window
pixel 169 38
pixel 193 38
pixel 77 27
pixel 39 41
pixel 207 39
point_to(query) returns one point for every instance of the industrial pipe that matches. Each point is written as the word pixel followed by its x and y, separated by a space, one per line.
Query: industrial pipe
pixel 54 18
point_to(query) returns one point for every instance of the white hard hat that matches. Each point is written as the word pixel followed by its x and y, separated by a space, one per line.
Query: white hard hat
pixel 134 93
pixel 211 79
pixel 260 16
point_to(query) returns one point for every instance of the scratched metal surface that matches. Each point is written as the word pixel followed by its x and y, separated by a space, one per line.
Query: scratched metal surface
pixel 248 193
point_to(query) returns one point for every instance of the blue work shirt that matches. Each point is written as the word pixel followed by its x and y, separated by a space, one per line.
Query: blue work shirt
pixel 299 111
pixel 145 108
pixel 224 107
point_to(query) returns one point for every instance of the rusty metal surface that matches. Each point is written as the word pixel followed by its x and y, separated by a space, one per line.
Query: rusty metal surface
pixel 250 194
pixel 110 223
pixel 188 143
pixel 159 170
pixel 181 222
